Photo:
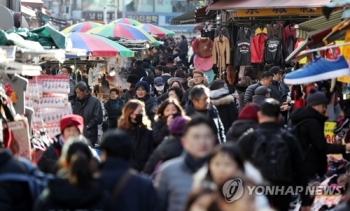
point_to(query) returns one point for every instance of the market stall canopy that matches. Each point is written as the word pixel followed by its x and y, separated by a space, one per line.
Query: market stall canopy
pixel 48 36
pixel 28 11
pixel 81 27
pixel 98 45
pixel 123 31
pixel 186 18
pixel 126 21
pixel 255 4
pixel 321 22
pixel 156 30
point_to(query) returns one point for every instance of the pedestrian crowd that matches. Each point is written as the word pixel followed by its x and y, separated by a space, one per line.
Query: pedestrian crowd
pixel 173 140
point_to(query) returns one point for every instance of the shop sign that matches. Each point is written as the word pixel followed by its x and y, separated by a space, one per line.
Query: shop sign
pixel 277 12
pixel 152 19
pixel 328 131
pixel 346 49
pixel 97 16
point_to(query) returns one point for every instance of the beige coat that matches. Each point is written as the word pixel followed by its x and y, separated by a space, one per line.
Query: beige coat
pixel 221 52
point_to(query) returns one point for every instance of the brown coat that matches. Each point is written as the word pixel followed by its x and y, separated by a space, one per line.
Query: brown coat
pixel 221 52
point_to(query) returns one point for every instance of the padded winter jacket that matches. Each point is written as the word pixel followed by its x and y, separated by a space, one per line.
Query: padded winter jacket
pixel 249 93
pixel 257 45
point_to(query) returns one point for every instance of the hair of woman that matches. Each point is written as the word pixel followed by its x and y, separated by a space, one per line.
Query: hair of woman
pixel 229 149
pixel 77 156
pixel 167 102
pixel 124 121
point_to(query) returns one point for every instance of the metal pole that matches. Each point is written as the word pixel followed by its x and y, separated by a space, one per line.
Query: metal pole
pixel 116 5
pixel 123 8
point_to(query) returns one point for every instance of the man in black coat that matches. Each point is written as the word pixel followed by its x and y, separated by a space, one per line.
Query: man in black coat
pixel 14 196
pixel 224 102
pixel 90 109
pixel 269 124
pixel 311 135
pixel 138 193
pixel 277 87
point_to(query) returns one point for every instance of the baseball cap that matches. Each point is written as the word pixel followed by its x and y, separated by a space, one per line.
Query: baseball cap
pixel 158 81
pixel 262 90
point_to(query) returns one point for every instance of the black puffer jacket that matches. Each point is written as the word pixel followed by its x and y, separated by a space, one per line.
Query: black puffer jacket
pixel 170 148
pixel 90 109
pixel 249 93
pixel 159 131
pixel 151 105
pixel 14 196
pixel 225 103
pixel 239 127
pixel 142 146
pixel 278 89
pixel 313 142
pixel 61 195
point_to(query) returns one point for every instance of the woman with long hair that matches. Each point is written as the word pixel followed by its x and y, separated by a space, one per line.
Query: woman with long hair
pixel 74 188
pixel 136 123
pixel 166 112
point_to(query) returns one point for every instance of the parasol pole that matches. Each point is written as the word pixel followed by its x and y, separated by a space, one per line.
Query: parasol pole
pixel 116 6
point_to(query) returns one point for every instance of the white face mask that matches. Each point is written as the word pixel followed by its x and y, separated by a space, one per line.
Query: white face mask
pixel 159 88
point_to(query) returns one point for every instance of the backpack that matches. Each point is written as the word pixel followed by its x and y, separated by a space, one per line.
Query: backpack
pixel 150 75
pixel 35 179
pixel 271 155
pixel 293 129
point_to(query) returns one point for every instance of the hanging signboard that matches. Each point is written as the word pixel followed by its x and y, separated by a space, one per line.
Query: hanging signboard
pixel 277 12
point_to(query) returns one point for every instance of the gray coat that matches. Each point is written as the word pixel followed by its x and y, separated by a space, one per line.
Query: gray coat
pixel 173 184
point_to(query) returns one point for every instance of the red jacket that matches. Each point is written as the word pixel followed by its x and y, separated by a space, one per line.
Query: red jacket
pixel 257 45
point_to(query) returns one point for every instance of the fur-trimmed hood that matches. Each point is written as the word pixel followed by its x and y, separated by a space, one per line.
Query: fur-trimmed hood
pixel 205 82
pixel 221 97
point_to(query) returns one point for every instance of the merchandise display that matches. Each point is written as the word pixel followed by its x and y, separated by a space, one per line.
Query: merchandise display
pixel 48 95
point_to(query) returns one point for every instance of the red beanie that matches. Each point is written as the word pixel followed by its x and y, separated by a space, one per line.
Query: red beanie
pixel 72 120
pixel 249 111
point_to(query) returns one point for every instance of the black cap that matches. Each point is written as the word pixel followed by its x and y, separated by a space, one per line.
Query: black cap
pixel 117 143
pixel 217 84
pixel 133 79
pixel 262 90
pixel 316 98
pixel 275 69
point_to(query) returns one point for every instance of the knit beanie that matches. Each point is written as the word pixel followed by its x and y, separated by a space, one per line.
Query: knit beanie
pixel 72 120
pixel 316 98
pixel 249 112
pixel 142 84
pixel 177 126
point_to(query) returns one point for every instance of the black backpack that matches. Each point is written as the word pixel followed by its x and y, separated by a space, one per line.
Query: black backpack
pixel 271 155
pixel 293 129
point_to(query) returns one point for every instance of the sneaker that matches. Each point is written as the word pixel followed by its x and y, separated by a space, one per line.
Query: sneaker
pixel 319 70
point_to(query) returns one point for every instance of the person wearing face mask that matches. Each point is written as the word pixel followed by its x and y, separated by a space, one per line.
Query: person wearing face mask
pixel 224 102
pixel 159 86
pixel 138 126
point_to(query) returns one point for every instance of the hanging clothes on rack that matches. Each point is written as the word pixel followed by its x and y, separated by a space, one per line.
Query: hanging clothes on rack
pixel 242 53
pixel 257 46
pixel 19 86
pixel 221 52
pixel 273 51
pixel 208 31
pixel 222 30
pixel 275 30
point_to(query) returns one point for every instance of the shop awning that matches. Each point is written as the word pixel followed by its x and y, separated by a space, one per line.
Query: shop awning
pixel 28 11
pixel 322 22
pixel 186 18
pixel 256 4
